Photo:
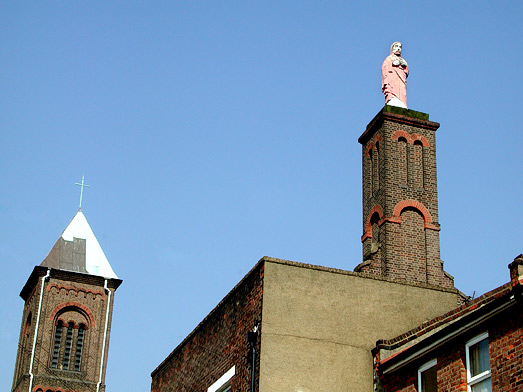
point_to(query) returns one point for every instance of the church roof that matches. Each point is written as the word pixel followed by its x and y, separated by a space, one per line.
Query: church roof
pixel 78 250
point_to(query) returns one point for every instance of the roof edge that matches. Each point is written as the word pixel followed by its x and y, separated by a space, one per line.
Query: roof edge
pixel 360 275
pixel 433 333
pixel 223 300
pixel 39 271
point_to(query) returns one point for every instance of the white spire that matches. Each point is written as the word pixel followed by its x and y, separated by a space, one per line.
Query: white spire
pixel 95 261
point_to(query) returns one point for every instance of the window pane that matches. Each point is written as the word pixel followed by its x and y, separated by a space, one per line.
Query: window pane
pixel 479 358
pixel 483 386
pixel 429 381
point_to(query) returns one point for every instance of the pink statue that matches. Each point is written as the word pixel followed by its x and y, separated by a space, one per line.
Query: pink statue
pixel 394 73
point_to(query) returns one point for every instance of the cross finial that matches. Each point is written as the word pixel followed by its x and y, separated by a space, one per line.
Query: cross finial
pixel 82 186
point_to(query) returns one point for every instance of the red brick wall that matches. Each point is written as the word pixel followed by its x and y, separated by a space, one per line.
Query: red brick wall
pixel 217 344
pixel 400 383
pixel 452 373
pixel 506 354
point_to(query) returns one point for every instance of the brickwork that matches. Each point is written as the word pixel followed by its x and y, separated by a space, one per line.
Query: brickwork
pixel 217 344
pixel 506 353
pixel 399 187
pixel 452 373
pixel 411 261
pixel 74 299
pixel 400 383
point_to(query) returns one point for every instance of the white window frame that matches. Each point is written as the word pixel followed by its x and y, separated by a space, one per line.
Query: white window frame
pixel 426 366
pixel 223 382
pixel 479 377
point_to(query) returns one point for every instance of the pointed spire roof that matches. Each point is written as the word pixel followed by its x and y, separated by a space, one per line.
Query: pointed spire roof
pixel 78 250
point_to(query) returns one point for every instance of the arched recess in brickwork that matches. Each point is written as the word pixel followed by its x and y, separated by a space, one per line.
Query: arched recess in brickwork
pixel 418 178
pixel 396 135
pixel 376 167
pixel 411 261
pixel 372 144
pixel 402 160
pixel 410 138
pixel 368 225
pixel 427 218
pixel 420 138
pixel 81 308
pixel 372 152
pixel 71 323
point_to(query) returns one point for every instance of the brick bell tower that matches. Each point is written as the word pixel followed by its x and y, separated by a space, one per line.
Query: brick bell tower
pixel 400 203
pixel 64 336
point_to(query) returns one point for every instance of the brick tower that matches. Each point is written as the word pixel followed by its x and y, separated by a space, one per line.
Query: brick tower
pixel 400 203
pixel 64 337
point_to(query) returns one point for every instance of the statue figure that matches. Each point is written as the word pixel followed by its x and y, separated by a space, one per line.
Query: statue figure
pixel 394 73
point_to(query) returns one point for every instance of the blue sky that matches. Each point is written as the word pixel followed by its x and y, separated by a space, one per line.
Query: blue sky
pixel 214 133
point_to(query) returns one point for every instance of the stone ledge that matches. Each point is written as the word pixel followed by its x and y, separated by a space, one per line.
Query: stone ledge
pixel 397 115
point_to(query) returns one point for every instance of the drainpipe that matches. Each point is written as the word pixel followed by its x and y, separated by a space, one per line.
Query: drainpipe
pixel 31 376
pixel 252 338
pixel 105 335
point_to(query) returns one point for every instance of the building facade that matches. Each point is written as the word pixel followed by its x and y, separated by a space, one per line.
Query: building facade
pixel 66 321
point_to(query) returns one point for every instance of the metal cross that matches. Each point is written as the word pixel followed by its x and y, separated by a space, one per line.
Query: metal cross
pixel 82 186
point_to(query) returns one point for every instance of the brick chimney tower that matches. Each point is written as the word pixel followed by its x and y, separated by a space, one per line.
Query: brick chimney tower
pixel 400 198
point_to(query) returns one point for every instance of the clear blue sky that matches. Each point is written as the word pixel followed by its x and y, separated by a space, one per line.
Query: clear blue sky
pixel 214 133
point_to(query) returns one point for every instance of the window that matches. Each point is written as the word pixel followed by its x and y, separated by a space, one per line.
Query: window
pixel 70 341
pixel 478 364
pixel 223 384
pixel 427 377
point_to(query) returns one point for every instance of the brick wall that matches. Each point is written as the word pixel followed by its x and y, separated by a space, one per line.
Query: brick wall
pixel 506 354
pixel 218 343
pixel 452 373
